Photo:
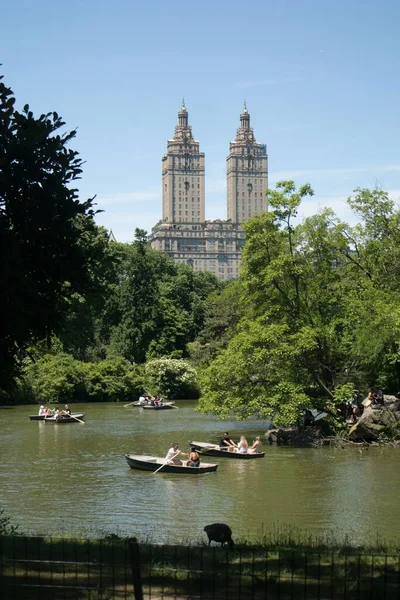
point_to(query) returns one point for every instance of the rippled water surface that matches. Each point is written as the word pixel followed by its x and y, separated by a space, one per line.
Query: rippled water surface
pixel 74 478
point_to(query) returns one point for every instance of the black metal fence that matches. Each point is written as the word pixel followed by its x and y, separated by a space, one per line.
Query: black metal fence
pixel 35 568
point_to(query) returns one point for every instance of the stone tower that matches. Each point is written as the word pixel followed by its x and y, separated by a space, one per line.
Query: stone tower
pixel 247 173
pixel 183 176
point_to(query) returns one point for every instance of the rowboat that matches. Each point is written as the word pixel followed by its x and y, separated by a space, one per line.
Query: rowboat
pixel 140 404
pixel 43 417
pixel 72 418
pixel 153 463
pixel 215 450
pixel 163 406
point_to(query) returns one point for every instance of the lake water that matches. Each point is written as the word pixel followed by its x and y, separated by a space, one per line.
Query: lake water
pixel 57 479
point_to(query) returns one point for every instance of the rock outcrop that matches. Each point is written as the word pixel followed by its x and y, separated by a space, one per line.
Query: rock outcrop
pixel 293 436
pixel 376 420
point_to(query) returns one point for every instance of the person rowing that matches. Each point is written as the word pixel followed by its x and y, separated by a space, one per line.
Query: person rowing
pixel 225 443
pixel 172 455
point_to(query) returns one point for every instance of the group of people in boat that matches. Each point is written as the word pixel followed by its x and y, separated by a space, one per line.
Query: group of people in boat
pixel 355 408
pixel 225 443
pixel 151 400
pixel 45 411
pixel 242 446
pixel 173 453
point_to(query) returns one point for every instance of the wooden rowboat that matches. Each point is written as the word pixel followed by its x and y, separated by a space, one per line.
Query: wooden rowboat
pixel 215 450
pixel 152 463
pixel 148 404
pixel 163 406
pixel 61 419
pixel 43 417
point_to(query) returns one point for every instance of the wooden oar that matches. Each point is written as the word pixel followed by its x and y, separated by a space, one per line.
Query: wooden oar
pixel 76 419
pixel 166 462
pixel 130 404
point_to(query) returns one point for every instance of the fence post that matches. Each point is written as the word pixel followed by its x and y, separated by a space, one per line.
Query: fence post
pixel 134 557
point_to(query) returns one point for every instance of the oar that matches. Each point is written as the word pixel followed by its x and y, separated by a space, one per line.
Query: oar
pixel 130 404
pixel 166 462
pixel 76 419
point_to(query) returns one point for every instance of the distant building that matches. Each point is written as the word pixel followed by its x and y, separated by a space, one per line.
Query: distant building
pixel 183 233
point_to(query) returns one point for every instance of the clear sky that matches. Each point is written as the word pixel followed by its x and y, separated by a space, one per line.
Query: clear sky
pixel 320 77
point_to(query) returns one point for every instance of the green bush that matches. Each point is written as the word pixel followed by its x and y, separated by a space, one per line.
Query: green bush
pixel 171 378
pixel 55 378
pixel 59 378
pixel 113 380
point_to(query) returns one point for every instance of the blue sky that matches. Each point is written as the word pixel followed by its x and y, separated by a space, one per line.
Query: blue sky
pixel 320 77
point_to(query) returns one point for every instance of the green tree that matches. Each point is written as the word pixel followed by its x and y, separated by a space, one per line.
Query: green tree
pixel 171 378
pixel 288 344
pixel 222 311
pixel 47 253
pixel 159 305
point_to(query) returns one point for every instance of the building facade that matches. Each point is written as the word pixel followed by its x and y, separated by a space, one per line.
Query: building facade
pixel 183 233
pixel 246 174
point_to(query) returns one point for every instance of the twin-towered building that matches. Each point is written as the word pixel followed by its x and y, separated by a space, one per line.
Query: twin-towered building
pixel 184 233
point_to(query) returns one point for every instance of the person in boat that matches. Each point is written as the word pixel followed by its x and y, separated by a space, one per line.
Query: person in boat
pixel 57 412
pixel 226 442
pixel 194 458
pixel 143 400
pixel 42 410
pixel 256 447
pixel 156 401
pixel 172 455
pixel 67 410
pixel 243 446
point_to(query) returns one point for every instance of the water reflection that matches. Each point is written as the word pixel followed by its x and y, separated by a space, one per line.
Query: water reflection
pixel 74 478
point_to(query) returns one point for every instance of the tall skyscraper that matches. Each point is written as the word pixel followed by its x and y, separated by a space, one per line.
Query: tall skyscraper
pixel 183 233
pixel 183 175
pixel 247 173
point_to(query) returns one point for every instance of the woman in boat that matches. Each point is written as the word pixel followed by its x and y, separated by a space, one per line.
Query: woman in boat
pixel 42 410
pixel 243 446
pixel 256 447
pixel 194 458
pixel 67 410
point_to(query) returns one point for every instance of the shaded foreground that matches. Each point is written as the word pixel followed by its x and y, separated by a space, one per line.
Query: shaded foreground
pixel 49 568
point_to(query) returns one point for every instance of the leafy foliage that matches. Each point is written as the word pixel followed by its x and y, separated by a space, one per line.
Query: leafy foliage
pixel 58 379
pixel 171 378
pixel 318 315
pixel 50 248
pixel 6 527
pixel 158 305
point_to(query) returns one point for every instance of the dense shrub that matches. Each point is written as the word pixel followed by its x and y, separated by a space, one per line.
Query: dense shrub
pixel 55 378
pixel 59 378
pixel 113 380
pixel 171 378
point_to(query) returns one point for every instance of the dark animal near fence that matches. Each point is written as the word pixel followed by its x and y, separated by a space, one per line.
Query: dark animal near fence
pixel 219 532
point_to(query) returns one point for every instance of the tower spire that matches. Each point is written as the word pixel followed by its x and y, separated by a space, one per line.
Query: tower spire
pixel 245 117
pixel 183 106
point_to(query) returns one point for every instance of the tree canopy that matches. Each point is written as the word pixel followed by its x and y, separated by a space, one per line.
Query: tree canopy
pixel 51 251
pixel 320 312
